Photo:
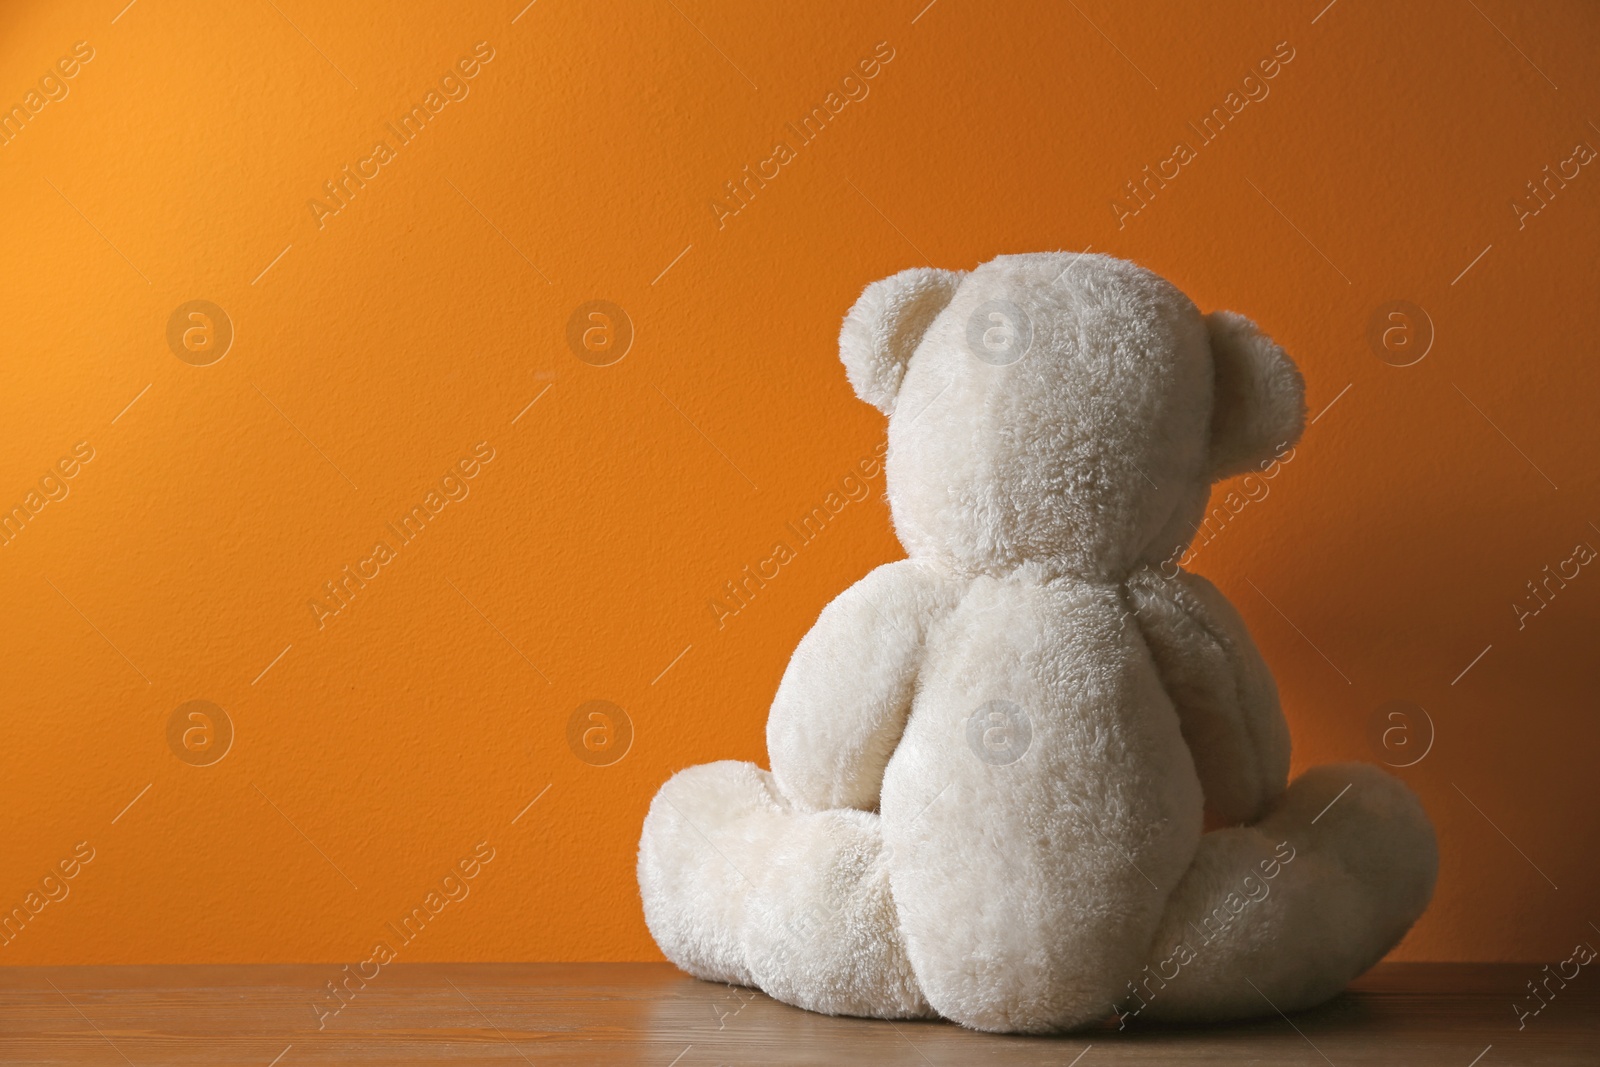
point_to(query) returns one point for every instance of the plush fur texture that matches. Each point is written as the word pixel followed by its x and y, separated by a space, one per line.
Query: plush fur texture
pixel 991 760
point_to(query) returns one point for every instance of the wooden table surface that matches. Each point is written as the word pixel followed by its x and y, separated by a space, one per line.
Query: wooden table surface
pixel 1459 1015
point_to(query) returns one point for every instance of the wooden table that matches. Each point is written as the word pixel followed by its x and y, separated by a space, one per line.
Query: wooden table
pixel 641 1013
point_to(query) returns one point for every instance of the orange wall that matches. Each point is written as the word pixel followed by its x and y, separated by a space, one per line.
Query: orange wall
pixel 375 347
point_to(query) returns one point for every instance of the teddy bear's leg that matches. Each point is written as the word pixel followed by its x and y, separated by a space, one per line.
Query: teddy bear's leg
pixel 740 887
pixel 692 885
pixel 1283 914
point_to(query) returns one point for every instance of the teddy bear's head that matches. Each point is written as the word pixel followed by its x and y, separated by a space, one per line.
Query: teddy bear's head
pixel 1066 409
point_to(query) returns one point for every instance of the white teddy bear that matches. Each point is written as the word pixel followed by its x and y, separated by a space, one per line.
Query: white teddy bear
pixel 991 760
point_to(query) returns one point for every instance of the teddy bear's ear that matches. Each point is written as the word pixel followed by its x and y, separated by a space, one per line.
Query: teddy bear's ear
pixel 1259 398
pixel 883 329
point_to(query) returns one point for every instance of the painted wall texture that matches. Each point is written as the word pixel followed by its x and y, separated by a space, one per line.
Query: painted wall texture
pixel 385 385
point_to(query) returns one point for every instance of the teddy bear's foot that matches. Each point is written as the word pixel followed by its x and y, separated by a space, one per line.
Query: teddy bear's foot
pixel 740 887
pixel 1283 914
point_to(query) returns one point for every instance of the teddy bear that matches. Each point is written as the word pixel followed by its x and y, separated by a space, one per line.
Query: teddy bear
pixel 1034 776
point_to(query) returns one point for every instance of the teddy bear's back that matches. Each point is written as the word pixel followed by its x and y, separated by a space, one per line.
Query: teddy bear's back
pixel 1017 821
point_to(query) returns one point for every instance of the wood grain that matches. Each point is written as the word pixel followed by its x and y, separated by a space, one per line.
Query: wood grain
pixel 1458 1015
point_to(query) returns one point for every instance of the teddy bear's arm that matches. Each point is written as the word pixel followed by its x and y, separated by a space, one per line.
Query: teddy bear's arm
pixel 1226 698
pixel 844 698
